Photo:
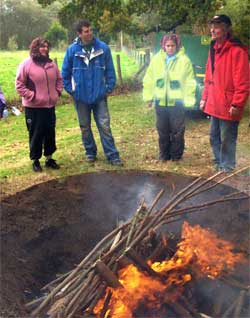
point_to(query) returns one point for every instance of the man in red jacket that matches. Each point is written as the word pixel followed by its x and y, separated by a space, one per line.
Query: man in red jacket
pixel 225 91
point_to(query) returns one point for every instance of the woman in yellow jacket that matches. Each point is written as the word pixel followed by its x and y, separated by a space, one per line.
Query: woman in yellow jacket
pixel 170 85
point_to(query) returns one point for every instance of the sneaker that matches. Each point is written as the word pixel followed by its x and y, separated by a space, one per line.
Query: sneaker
pixel 36 166
pixel 227 170
pixel 217 168
pixel 51 163
pixel 90 159
pixel 116 162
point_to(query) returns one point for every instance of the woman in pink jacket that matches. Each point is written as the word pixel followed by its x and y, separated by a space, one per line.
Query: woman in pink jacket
pixel 39 83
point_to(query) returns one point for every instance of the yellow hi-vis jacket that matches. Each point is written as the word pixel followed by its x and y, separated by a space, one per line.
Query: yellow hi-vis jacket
pixel 166 84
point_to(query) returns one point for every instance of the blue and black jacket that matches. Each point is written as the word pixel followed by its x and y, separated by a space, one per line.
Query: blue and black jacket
pixel 88 77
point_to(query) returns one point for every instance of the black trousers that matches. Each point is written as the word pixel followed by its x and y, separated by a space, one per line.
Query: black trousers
pixel 170 124
pixel 41 124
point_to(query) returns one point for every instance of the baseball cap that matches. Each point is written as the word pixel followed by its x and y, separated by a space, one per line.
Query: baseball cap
pixel 221 18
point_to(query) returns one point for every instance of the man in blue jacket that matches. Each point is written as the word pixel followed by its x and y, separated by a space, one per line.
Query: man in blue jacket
pixel 89 76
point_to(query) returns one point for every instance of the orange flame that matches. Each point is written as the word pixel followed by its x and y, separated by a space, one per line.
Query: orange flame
pixel 200 253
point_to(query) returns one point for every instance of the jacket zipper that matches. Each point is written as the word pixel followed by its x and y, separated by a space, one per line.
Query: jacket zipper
pixel 47 80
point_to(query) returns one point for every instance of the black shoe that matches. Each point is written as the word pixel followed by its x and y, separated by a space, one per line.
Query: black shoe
pixel 36 166
pixel 51 163
pixel 90 159
pixel 163 158
pixel 116 162
pixel 176 159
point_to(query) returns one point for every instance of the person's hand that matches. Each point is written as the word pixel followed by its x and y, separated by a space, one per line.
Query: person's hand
pixel 234 111
pixel 149 103
pixel 202 104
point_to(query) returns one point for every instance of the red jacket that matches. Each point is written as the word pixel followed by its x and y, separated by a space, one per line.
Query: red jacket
pixel 40 86
pixel 226 80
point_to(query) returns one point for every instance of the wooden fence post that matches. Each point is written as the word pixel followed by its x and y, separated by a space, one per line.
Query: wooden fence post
pixel 118 61
pixel 147 56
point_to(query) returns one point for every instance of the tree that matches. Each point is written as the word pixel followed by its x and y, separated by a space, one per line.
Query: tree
pixel 240 17
pixel 22 20
pixel 142 16
pixel 56 34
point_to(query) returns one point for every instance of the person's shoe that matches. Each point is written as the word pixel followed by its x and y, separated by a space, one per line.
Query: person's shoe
pixel 161 158
pixel 51 163
pixel 227 170
pixel 36 166
pixel 176 159
pixel 116 162
pixel 217 168
pixel 90 159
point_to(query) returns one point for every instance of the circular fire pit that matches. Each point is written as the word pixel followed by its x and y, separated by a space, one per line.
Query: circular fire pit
pixel 48 229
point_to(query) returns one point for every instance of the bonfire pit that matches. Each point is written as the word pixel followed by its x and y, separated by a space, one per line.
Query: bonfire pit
pixel 166 246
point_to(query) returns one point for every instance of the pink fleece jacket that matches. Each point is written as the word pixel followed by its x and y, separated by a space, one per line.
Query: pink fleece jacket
pixel 40 86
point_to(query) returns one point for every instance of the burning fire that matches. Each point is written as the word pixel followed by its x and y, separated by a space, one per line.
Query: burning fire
pixel 200 254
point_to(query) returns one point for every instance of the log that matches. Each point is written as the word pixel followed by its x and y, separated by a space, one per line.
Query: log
pixel 123 261
pixel 108 276
pixel 139 261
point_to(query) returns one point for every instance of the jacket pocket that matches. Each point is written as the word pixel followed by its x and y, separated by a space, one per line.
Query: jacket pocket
pixel 228 98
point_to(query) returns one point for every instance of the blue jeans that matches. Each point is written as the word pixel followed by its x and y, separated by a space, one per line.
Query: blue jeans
pixel 223 137
pixel 102 119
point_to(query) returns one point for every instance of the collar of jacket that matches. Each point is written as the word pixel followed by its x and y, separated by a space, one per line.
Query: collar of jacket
pixel 79 41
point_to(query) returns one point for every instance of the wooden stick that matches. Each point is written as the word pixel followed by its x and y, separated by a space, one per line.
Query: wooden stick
pixel 180 310
pixel 34 302
pixel 137 260
pixel 233 282
pixel 133 222
pixel 191 308
pixel 99 294
pixel 123 261
pixel 239 304
pixel 107 275
pixel 223 179
pixel 51 296
pixel 230 309
pixel 157 198
pixel 160 248
pixel 76 296
pixel 106 304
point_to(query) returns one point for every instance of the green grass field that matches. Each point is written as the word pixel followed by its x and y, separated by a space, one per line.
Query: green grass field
pixel 133 126
pixel 9 61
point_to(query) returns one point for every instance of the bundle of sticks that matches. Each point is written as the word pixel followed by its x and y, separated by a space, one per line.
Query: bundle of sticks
pixel 78 291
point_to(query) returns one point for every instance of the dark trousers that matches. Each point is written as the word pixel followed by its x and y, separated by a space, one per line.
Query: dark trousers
pixel 41 123
pixel 170 124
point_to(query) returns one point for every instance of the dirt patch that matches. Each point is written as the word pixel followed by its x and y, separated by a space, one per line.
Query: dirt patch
pixel 48 228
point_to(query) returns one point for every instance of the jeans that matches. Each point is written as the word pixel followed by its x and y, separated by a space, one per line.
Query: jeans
pixel 102 119
pixel 223 137
pixel 170 124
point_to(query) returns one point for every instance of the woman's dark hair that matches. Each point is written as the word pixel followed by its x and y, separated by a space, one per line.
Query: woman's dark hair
pixel 171 36
pixel 36 44
pixel 82 23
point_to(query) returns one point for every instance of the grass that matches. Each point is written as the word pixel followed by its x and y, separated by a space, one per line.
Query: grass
pixel 133 126
pixel 9 61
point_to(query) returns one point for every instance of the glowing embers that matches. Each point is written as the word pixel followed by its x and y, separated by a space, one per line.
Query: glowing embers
pixel 200 253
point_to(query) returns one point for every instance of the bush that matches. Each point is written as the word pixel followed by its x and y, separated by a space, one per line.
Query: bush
pixel 12 43
pixel 56 34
